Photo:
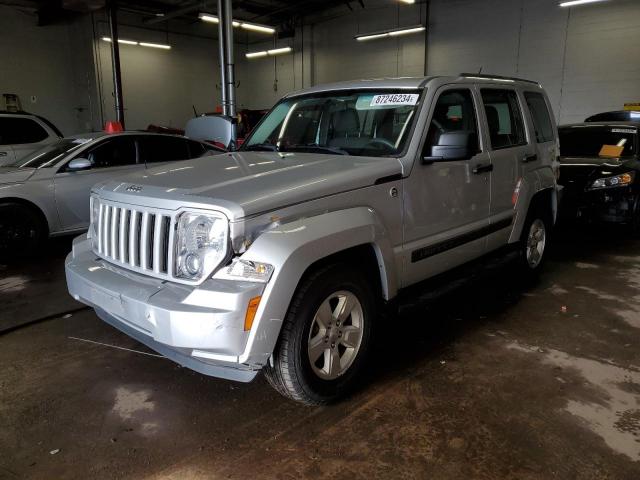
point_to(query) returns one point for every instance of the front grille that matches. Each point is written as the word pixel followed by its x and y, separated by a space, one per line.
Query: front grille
pixel 138 238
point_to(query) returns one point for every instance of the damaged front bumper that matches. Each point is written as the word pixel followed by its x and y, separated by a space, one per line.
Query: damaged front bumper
pixel 200 327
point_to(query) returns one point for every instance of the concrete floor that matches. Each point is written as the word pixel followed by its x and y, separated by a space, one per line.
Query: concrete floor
pixel 493 379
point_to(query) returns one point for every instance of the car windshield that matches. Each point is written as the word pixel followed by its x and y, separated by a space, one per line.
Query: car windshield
pixel 587 141
pixel 49 155
pixel 361 123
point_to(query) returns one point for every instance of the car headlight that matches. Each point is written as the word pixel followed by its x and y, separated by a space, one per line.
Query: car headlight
pixel 245 270
pixel 616 181
pixel 201 244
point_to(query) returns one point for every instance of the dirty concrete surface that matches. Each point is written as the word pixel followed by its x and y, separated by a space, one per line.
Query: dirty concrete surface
pixel 496 378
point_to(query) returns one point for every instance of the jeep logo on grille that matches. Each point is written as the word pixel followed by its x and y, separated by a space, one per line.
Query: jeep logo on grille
pixel 134 188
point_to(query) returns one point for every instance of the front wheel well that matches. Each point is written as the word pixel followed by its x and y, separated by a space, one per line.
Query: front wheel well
pixel 30 205
pixel 362 257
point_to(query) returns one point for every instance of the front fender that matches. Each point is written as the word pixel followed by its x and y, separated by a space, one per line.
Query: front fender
pixel 292 248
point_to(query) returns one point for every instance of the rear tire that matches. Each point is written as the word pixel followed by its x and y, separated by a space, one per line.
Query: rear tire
pixel 325 338
pixel 22 230
pixel 534 241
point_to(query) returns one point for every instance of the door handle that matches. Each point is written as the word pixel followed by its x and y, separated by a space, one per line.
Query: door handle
pixel 482 168
pixel 529 158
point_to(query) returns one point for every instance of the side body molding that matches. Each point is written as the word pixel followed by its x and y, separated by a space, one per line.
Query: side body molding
pixel 293 247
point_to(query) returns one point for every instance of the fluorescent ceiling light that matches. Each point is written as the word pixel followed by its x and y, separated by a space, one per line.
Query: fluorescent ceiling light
pixel 390 33
pixel 578 2
pixel 408 1
pixel 264 53
pixel 142 44
pixel 120 40
pixel 208 17
pixel 155 45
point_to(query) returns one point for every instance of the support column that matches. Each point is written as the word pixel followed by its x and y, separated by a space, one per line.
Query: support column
pixel 115 61
pixel 227 66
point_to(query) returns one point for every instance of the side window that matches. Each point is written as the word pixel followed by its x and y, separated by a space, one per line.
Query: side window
pixel 158 148
pixel 114 152
pixel 504 118
pixel 197 149
pixel 16 131
pixel 540 116
pixel 454 112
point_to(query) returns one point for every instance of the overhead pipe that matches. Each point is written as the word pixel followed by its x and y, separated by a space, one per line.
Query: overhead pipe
pixel 115 61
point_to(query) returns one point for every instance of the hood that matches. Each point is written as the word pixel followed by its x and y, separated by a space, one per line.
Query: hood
pixel 256 182
pixel 15 174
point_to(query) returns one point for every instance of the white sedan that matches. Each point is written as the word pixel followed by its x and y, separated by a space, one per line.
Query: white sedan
pixel 47 193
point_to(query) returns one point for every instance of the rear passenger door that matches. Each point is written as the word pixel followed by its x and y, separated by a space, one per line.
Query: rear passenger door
pixel 20 136
pixel 509 151
pixel 159 149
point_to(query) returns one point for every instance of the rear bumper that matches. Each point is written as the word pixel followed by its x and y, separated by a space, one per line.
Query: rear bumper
pixel 201 327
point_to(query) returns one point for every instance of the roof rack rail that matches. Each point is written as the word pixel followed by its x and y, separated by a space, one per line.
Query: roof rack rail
pixel 497 77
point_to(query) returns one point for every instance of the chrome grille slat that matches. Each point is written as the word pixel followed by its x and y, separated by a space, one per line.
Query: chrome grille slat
pixel 144 241
pixel 122 238
pixel 113 233
pixel 157 244
pixel 138 238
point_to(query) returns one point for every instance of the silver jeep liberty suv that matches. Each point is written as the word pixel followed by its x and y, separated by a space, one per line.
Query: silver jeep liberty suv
pixel 280 256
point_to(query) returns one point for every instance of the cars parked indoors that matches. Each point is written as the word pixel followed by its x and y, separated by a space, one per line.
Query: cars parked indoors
pixel 280 256
pixel 22 133
pixel 600 172
pixel 47 192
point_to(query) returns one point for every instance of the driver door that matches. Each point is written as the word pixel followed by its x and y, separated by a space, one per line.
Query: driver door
pixel 111 158
pixel 447 201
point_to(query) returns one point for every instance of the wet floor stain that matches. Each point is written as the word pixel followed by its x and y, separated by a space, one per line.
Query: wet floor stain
pixel 615 414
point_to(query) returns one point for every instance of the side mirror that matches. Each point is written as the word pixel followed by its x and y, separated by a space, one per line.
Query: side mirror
pixel 217 129
pixel 79 164
pixel 457 145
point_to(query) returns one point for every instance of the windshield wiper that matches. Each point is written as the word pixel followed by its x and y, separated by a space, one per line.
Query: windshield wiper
pixel 311 147
pixel 261 147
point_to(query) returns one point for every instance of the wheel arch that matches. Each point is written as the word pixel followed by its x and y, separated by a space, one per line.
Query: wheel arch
pixel 31 205
pixel 354 235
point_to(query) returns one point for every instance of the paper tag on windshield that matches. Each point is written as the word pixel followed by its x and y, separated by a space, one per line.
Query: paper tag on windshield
pixel 394 100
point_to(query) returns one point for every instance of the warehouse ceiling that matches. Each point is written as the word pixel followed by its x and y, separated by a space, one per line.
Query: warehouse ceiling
pixel 272 12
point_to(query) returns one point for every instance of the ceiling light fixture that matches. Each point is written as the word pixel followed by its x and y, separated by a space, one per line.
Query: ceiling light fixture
pixel 155 45
pixel 161 46
pixel 408 1
pixel 264 53
pixel 121 40
pixel 579 2
pixel 208 17
pixel 390 33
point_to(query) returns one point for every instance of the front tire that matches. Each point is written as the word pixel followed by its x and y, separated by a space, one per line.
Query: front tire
pixel 22 231
pixel 325 337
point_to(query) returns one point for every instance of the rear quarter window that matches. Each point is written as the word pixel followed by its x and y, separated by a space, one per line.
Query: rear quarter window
pixel 540 116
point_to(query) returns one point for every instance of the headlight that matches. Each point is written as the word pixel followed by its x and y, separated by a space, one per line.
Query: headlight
pixel 616 181
pixel 245 270
pixel 201 244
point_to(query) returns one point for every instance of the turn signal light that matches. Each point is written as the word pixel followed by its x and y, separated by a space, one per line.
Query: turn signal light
pixel 252 308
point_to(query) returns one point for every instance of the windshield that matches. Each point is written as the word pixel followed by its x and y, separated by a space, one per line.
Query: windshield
pixel 362 123
pixel 610 141
pixel 49 155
